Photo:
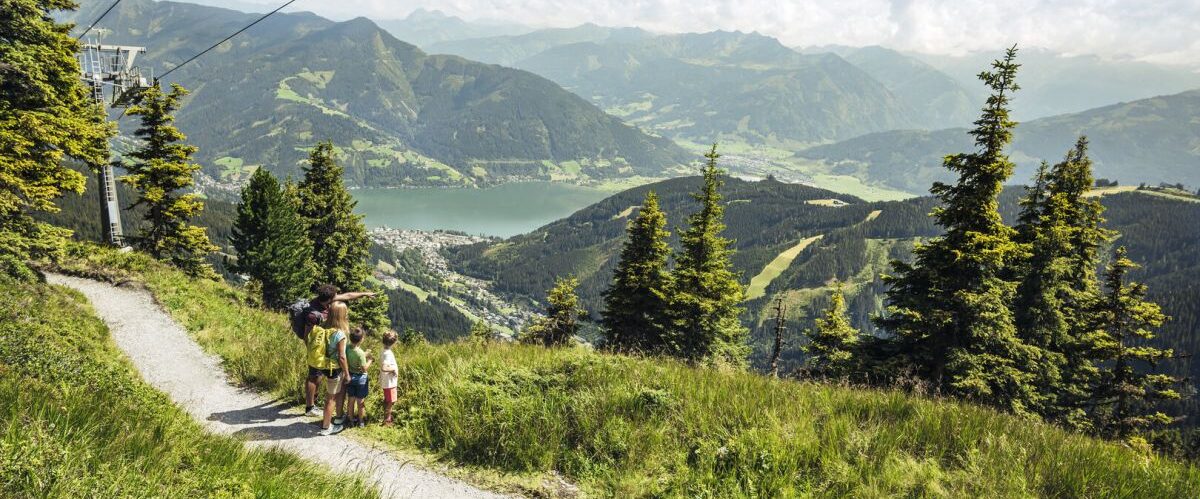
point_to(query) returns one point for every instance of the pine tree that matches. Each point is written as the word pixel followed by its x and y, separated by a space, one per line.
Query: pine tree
pixel 271 240
pixel 46 117
pixel 635 302
pixel 1061 228
pixel 161 173
pixel 949 310
pixel 1121 323
pixel 832 343
pixel 705 296
pixel 340 243
pixel 563 312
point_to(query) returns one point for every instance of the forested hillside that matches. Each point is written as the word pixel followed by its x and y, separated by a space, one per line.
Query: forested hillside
pixel 857 241
pixel 1151 140
pixel 398 115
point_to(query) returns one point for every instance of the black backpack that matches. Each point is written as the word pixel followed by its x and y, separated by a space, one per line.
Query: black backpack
pixel 298 315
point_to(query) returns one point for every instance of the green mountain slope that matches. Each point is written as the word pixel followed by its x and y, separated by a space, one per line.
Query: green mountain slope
pixel 856 242
pixel 398 115
pixel 702 87
pixel 940 101
pixel 1149 140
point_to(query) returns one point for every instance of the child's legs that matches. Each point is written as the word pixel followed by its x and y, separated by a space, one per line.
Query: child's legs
pixel 334 394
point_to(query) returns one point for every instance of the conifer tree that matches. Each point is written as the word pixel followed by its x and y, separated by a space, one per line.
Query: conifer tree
pixel 161 173
pixel 1121 322
pixel 46 117
pixel 705 297
pixel 340 243
pixel 1057 281
pixel 635 303
pixel 271 240
pixel 949 310
pixel 563 313
pixel 832 344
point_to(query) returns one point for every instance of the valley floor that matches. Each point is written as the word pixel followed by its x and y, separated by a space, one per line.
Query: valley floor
pixel 172 362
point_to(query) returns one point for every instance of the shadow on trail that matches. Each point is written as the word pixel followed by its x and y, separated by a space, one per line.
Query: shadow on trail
pixel 298 429
pixel 263 413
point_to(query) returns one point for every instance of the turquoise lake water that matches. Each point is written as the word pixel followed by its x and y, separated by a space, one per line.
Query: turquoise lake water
pixel 503 210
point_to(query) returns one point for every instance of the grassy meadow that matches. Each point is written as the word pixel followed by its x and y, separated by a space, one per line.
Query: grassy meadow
pixel 77 421
pixel 629 427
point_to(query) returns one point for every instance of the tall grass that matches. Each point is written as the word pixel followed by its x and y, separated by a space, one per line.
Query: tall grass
pixel 75 420
pixel 622 426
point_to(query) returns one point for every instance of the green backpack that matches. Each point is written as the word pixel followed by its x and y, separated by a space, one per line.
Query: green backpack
pixel 331 346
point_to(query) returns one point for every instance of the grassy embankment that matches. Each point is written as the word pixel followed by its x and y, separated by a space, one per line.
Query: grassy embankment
pixel 629 427
pixel 76 421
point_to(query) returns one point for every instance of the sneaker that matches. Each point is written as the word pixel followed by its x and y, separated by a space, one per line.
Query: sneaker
pixel 338 420
pixel 314 412
pixel 332 430
pixel 362 423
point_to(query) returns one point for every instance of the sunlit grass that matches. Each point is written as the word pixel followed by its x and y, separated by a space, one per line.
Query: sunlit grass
pixel 76 421
pixel 631 427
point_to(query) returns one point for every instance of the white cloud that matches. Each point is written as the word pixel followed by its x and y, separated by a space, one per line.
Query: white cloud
pixel 1157 30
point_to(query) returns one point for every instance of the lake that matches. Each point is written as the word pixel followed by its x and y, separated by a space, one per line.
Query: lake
pixel 504 210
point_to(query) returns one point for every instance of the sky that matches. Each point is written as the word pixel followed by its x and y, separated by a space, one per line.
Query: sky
pixel 1163 31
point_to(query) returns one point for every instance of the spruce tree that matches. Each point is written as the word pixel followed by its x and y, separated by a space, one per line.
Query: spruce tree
pixel 1061 228
pixel 46 118
pixel 636 301
pixel 832 344
pixel 161 173
pixel 949 310
pixel 1121 322
pixel 271 240
pixel 340 243
pixel 705 296
pixel 563 312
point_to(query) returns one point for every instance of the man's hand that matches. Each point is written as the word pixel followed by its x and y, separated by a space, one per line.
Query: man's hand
pixel 345 377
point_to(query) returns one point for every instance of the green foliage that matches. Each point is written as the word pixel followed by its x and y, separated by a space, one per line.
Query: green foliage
pixel 636 301
pixel 1057 280
pixel 1119 324
pixel 561 322
pixel 950 309
pixel 833 344
pixel 161 172
pixel 271 240
pixel 705 295
pixel 411 337
pixel 46 118
pixel 339 238
pixel 482 332
pixel 79 422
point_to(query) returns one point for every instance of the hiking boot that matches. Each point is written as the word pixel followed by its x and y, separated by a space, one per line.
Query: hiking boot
pixel 332 430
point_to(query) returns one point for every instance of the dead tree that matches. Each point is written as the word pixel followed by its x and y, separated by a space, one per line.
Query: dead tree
pixel 780 320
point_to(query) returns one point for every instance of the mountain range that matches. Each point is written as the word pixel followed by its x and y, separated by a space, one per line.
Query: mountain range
pixel 398 115
pixel 1149 140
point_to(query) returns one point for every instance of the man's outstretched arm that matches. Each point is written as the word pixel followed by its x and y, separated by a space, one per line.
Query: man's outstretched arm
pixel 353 296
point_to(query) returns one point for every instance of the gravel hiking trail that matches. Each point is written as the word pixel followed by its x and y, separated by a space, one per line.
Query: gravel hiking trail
pixel 172 362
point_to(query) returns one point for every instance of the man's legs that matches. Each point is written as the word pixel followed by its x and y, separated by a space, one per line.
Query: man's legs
pixel 310 390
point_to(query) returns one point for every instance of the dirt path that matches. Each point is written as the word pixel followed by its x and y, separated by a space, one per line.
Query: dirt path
pixel 169 360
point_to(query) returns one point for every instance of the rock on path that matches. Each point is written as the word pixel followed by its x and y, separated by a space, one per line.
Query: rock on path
pixel 172 362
